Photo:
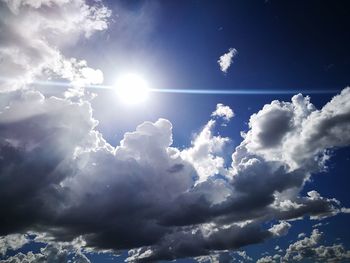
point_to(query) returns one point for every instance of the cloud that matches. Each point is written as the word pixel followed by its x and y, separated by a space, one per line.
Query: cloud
pixel 204 154
pixel 280 229
pixel 266 259
pixel 12 242
pixel 33 49
pixel 146 191
pixel 301 235
pixel 311 249
pixel 50 253
pixel 226 59
pixel 297 133
pixel 206 151
pixel 225 257
pixel 202 241
pixel 223 111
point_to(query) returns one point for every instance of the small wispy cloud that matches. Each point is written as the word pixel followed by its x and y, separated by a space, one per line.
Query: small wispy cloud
pixel 223 111
pixel 226 59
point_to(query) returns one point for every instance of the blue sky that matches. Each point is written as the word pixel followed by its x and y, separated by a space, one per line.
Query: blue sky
pixel 260 176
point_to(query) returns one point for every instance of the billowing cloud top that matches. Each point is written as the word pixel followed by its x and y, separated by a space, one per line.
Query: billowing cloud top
pixel 63 184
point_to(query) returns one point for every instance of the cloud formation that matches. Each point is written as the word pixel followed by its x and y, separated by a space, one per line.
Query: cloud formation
pixel 310 248
pixel 206 151
pixel 60 252
pixel 226 59
pixel 12 242
pixel 35 37
pixel 223 111
pixel 147 193
pixel 59 178
pixel 280 229
pixel 295 132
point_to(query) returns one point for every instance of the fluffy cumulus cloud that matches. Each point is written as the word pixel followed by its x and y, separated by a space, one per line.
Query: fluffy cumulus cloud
pixel 311 249
pixel 12 242
pixel 266 259
pixel 297 133
pixel 64 185
pixel 206 151
pixel 59 252
pixel 225 257
pixel 223 111
pixel 280 229
pixel 36 32
pixel 226 59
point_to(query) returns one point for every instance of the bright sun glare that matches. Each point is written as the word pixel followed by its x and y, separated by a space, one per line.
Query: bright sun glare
pixel 132 89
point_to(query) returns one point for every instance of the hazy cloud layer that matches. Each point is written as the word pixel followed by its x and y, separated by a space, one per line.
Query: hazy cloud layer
pixel 59 178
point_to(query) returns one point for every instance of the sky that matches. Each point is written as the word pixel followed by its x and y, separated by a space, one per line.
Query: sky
pixel 185 131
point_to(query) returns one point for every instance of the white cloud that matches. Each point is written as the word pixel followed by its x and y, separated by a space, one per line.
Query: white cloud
pixel 310 248
pixel 12 242
pixel 224 257
pixel 226 59
pixel 223 111
pixel 16 5
pixel 280 229
pixel 205 152
pixel 50 253
pixel 297 133
pixel 301 235
pixel 35 37
pixel 266 259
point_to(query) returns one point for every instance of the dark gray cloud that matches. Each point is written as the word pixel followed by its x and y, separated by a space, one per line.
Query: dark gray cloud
pixel 201 241
pixel 59 176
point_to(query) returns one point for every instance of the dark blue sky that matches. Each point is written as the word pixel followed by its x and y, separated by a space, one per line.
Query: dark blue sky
pixel 281 46
pixel 289 45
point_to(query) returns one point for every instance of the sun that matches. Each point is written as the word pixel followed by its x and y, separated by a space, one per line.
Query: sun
pixel 132 89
